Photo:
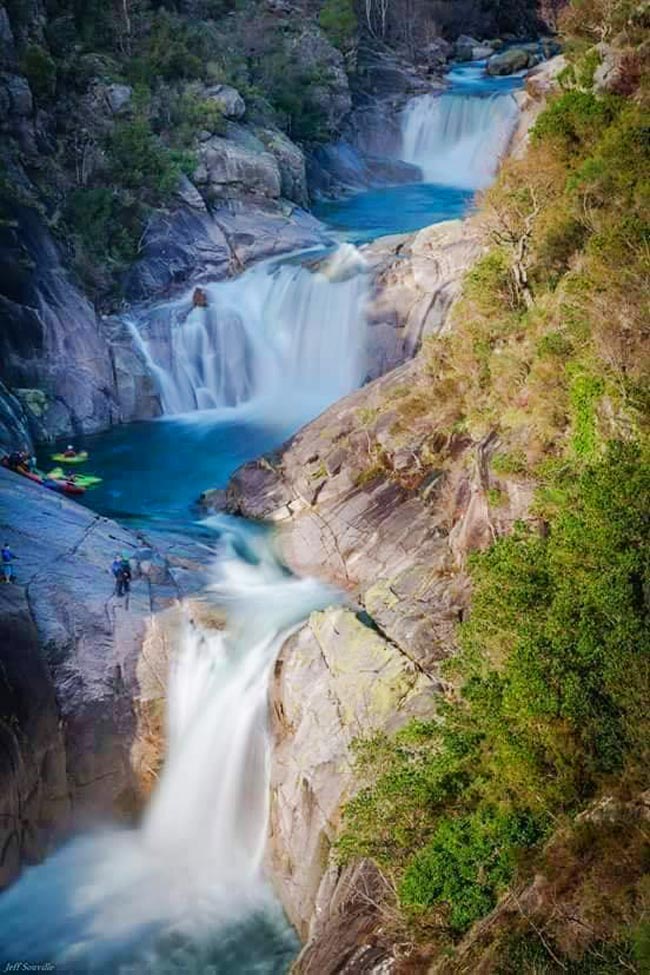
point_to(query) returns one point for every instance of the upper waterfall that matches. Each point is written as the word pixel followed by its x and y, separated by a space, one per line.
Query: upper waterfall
pixel 282 335
pixel 458 139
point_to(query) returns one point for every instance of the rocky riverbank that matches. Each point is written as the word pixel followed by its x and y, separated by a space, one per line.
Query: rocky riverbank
pixel 84 677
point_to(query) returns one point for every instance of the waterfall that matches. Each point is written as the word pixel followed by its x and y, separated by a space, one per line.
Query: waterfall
pixel 458 139
pixel 281 335
pixel 192 872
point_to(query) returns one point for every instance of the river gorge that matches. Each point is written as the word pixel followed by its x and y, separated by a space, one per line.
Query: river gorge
pixel 198 886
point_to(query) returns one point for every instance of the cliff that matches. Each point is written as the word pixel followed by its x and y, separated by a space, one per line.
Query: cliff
pixel 82 687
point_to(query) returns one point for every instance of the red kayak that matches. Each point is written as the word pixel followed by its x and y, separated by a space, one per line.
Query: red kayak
pixel 61 487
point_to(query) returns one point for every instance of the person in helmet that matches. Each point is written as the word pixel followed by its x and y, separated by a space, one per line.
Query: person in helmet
pixel 7 568
pixel 69 451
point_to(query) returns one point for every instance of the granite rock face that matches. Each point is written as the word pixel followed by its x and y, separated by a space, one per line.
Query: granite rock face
pixel 82 666
pixel 369 686
pixel 416 278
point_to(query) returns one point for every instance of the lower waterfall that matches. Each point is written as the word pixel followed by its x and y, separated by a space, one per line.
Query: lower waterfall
pixel 282 335
pixel 458 139
pixel 135 900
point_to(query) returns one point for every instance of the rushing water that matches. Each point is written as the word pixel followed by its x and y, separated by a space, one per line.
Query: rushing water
pixel 151 899
pixel 456 140
pixel 184 892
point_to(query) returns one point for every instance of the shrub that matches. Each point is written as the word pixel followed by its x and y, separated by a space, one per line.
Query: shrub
pixel 106 228
pixel 339 21
pixel 40 71
pixel 139 162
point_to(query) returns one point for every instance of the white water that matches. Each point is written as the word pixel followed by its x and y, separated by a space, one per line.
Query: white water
pixel 281 336
pixel 195 864
pixel 458 139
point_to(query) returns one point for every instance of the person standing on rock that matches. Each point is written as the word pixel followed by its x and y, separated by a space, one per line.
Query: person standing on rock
pixel 7 559
pixel 121 569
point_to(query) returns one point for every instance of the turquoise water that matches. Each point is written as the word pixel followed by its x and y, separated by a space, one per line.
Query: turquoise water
pixel 392 210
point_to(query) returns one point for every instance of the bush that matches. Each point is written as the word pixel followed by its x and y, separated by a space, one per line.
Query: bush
pixel 575 121
pixel 139 162
pixel 339 21
pixel 40 71
pixel 468 863
pixel 106 228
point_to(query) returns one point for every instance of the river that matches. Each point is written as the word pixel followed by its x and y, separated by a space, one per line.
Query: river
pixel 185 891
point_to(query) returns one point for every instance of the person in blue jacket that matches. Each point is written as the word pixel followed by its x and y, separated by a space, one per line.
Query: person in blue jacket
pixel 7 559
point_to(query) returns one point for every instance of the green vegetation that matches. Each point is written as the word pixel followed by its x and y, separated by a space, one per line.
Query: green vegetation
pixel 338 19
pixel 40 70
pixel 550 704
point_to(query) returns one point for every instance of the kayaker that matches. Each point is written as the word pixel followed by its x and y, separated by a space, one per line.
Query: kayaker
pixel 69 451
pixel 7 568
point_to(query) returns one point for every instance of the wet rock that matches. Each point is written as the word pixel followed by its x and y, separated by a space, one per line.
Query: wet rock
pixel 228 100
pixel 514 59
pixel 482 51
pixel 464 47
pixel 14 423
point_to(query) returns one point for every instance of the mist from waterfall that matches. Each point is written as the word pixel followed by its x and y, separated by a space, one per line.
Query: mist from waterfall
pixel 284 337
pixel 457 139
pixel 175 894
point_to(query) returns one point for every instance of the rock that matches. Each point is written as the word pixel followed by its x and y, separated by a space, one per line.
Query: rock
pixel 617 73
pixel 14 423
pixel 464 47
pixel 185 245
pixel 228 100
pixel 416 278
pixel 118 97
pixel 95 680
pixel 436 53
pixel 335 679
pixel 18 96
pixel 290 160
pixel 213 501
pixel 481 52
pixel 6 34
pixel 540 83
pixel 51 339
pixel 514 59
pixel 34 799
pixel 187 192
pixel 227 170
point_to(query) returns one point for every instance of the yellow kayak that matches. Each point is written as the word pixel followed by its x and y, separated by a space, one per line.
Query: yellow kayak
pixel 79 458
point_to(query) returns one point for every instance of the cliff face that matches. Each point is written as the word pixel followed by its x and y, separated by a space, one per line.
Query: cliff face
pixel 81 669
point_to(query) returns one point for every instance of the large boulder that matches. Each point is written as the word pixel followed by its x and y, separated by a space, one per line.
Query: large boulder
pixel 290 160
pixel 228 100
pixel 227 169
pixel 514 59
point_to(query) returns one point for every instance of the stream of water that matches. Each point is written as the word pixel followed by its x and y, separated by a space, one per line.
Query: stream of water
pixel 185 891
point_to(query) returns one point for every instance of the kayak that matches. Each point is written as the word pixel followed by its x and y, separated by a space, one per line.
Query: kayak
pixel 83 480
pixel 32 475
pixel 63 487
pixel 79 458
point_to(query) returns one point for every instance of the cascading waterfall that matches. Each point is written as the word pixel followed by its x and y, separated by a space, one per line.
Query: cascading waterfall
pixel 458 139
pixel 281 336
pixel 193 870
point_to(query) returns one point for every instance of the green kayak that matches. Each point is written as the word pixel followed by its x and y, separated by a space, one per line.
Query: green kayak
pixel 79 458
pixel 81 480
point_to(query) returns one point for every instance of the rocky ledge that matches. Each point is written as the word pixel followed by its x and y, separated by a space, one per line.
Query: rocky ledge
pixel 83 672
